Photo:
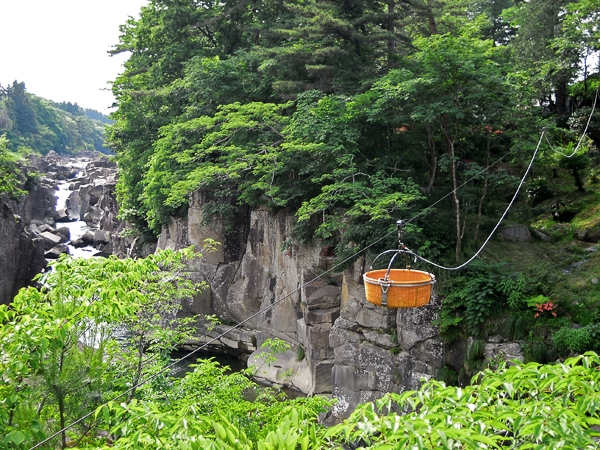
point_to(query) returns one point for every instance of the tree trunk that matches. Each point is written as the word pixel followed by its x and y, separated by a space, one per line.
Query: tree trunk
pixel 391 45
pixel 138 374
pixel 561 96
pixel 61 412
pixel 431 166
pixel 485 188
pixel 578 181
pixel 431 19
pixel 456 204
pixel 450 150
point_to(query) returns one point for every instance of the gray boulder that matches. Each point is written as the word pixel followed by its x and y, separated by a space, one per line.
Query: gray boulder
pixel 55 252
pixel 45 227
pixel 101 238
pixel 519 233
pixel 74 206
pixel 92 215
pixel 78 243
pixel 62 216
pixel 64 231
pixel 50 239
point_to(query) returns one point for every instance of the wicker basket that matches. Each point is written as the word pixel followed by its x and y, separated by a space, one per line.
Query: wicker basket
pixel 407 288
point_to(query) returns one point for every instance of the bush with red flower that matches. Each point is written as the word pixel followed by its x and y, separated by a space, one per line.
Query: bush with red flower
pixel 545 309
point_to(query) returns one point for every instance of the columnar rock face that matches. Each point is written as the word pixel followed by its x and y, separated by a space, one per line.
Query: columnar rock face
pixel 379 350
pixel 39 205
pixel 253 268
pixel 340 344
pixel 21 256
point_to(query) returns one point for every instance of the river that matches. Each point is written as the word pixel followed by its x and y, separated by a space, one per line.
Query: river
pixel 77 228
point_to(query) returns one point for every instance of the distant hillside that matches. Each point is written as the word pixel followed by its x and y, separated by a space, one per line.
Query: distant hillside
pixel 32 123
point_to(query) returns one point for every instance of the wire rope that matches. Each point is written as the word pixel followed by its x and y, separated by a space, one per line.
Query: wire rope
pixel 582 136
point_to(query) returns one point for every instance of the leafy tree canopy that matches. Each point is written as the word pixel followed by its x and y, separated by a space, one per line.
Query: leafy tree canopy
pixel 34 124
pixel 344 112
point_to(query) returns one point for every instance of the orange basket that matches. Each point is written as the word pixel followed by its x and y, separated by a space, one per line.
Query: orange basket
pixel 401 288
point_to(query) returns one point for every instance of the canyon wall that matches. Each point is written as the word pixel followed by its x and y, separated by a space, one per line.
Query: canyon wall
pixel 341 345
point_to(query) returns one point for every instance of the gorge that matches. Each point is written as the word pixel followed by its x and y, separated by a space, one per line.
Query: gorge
pixel 341 345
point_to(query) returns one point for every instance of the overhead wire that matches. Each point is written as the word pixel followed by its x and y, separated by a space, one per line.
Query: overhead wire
pixel 582 136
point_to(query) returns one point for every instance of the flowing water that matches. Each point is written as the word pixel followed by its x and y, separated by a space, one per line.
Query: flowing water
pixel 77 228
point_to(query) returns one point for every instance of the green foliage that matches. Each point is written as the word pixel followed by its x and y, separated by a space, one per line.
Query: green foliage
pixel 474 295
pixel 300 353
pixel 278 425
pixel 522 405
pixel 448 376
pixel 578 340
pixel 10 182
pixel 537 350
pixel 538 191
pixel 529 405
pixel 59 358
pixel 35 123
pixel 492 414
pixel 273 347
pixel 515 291
pixel 213 111
pixel 475 350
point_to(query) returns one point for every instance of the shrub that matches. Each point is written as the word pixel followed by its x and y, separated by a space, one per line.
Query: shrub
pixel 300 354
pixel 537 351
pixel 475 350
pixel 448 376
pixel 572 339
pixel 538 191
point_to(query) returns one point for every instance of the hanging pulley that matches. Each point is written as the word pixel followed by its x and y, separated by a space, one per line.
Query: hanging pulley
pixel 399 288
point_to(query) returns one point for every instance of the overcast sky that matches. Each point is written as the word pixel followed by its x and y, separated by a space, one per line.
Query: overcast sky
pixel 59 47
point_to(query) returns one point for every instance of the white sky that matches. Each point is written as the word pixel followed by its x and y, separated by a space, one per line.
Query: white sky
pixel 59 47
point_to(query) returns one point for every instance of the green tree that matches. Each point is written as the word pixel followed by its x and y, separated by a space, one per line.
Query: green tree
pixel 10 182
pixel 24 116
pixel 461 88
pixel 539 25
pixel 59 356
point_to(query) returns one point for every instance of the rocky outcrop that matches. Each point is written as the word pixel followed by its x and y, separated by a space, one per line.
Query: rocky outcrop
pixel 379 350
pixel 340 344
pixel 519 233
pixel 39 205
pixel 254 268
pixel 21 255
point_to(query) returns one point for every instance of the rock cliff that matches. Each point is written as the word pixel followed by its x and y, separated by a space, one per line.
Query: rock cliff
pixel 341 344
pixel 21 254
